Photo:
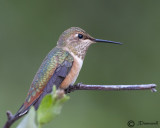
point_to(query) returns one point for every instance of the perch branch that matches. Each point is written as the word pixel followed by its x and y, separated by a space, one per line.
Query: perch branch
pixel 11 118
pixel 81 86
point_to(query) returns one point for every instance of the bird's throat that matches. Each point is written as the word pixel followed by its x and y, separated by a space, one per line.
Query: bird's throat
pixel 78 50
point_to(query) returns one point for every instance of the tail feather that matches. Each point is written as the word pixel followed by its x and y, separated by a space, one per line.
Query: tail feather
pixel 22 111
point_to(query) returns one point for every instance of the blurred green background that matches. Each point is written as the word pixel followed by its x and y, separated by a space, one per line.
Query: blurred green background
pixel 29 30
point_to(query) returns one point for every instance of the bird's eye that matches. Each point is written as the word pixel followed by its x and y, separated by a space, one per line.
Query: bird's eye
pixel 80 36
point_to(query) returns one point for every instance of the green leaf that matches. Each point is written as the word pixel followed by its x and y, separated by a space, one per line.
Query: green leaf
pixel 29 120
pixel 45 110
pixel 51 106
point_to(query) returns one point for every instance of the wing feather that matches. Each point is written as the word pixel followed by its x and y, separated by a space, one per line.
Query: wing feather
pixel 52 71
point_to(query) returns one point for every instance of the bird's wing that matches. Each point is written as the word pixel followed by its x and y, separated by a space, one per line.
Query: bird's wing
pixel 52 71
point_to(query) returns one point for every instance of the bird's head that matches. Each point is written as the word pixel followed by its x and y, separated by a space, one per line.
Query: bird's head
pixel 75 40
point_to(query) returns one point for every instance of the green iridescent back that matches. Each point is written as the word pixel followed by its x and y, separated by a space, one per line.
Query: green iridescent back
pixel 55 58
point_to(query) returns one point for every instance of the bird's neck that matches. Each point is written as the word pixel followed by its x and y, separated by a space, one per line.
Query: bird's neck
pixel 78 51
pixel 79 54
pixel 79 57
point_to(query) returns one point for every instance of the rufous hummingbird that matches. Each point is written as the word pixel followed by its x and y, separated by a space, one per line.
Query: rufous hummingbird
pixel 60 67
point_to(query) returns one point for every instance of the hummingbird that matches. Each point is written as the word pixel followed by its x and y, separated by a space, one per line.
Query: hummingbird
pixel 60 67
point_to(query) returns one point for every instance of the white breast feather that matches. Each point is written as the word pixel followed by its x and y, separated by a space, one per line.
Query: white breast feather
pixel 80 63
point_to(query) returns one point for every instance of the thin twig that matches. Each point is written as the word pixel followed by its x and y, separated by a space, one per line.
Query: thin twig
pixel 80 86
pixel 11 119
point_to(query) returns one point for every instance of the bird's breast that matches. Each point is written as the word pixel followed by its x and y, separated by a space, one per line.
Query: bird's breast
pixel 74 72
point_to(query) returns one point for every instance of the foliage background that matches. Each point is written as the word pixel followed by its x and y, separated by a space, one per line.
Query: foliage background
pixel 30 29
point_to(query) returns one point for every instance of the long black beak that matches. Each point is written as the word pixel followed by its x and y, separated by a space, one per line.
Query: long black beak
pixel 106 41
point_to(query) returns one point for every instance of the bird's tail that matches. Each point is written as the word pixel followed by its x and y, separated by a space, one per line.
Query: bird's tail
pixel 22 111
